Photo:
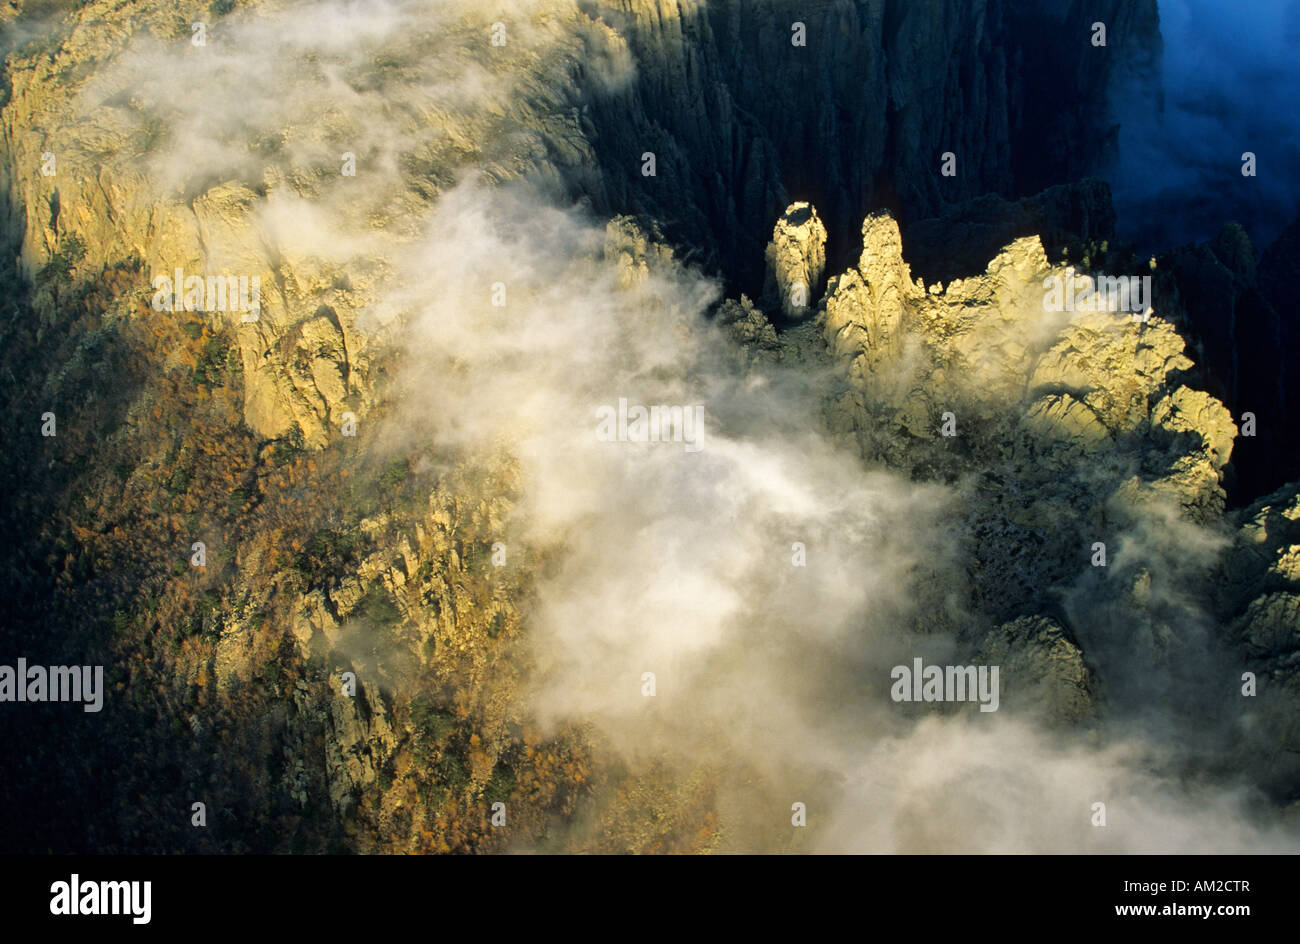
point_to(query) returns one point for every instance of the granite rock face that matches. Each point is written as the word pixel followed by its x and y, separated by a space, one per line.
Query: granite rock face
pixel 745 120
pixel 1057 386
pixel 1064 431
pixel 796 260
pixel 1237 309
pixel 743 106
pixel 1258 595
pixel 1042 669
pixel 959 243
pixel 687 126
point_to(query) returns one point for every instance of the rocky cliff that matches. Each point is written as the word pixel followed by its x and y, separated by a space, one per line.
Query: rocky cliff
pixel 740 106
pixel 353 668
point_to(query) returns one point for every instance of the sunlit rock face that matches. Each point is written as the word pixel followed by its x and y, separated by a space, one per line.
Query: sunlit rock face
pixel 741 110
pixel 1080 381
pixel 796 260
pixel 471 229
pixel 1057 414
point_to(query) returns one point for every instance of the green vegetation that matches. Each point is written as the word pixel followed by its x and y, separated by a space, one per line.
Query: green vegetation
pixel 395 473
pixel 451 772
pixel 285 450
pixel 1102 257
pixel 238 499
pixel 474 556
pixel 378 608
pixel 432 724
pixel 328 556
pixel 501 785
pixel 59 269
pixel 153 128
pixel 211 363
pixel 180 481
pixel 153 454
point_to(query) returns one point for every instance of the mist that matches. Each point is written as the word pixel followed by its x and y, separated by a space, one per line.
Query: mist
pixel 769 580
pixel 680 564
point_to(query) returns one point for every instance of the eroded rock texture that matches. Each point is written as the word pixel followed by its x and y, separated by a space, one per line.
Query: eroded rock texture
pixel 775 165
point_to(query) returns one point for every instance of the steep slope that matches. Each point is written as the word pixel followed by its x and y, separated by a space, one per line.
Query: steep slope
pixel 197 178
pixel 389 459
